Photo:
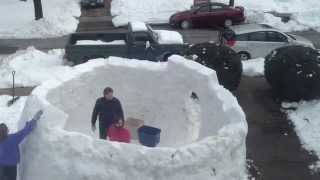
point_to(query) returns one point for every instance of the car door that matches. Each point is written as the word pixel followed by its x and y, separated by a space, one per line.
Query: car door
pixel 200 16
pixel 276 40
pixel 257 44
pixel 217 15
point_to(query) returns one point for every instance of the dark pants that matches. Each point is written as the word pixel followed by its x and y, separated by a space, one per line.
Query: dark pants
pixel 103 130
pixel 8 172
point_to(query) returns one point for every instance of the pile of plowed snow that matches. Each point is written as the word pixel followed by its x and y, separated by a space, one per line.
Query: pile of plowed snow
pixel 17 18
pixel 202 138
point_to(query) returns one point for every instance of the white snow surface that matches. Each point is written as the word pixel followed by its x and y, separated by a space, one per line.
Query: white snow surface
pixel 304 12
pixel 17 18
pixel 10 115
pixel 138 26
pixel 32 67
pixel 169 37
pixel 253 67
pixel 202 139
pixel 150 11
pixel 307 124
pixel 99 42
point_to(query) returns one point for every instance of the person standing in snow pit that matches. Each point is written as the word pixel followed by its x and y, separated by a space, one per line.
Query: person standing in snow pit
pixel 9 147
pixel 107 108
pixel 117 132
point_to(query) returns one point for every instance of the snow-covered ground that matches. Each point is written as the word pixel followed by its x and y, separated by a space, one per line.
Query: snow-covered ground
pixel 304 12
pixel 17 18
pixel 11 115
pixel 150 11
pixel 307 124
pixel 32 67
pixel 253 67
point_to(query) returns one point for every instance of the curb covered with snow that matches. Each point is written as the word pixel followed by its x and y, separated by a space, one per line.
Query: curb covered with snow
pixel 204 144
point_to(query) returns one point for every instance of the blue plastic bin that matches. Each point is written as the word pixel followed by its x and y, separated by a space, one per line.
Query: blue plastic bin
pixel 149 136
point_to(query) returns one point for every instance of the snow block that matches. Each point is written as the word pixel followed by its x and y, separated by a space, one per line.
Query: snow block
pixel 203 136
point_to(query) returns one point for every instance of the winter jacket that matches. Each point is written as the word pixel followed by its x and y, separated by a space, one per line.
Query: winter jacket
pixel 107 110
pixel 9 147
pixel 119 134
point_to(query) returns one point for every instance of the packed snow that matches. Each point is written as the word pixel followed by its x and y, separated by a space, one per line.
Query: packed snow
pixel 32 67
pixel 99 42
pixel 213 127
pixel 18 18
pixel 306 122
pixel 304 13
pixel 10 115
pixel 253 67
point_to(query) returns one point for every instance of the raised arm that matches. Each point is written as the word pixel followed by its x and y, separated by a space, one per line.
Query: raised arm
pixel 30 125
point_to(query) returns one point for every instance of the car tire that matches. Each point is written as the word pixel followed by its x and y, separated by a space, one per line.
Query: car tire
pixel 244 56
pixel 185 24
pixel 228 23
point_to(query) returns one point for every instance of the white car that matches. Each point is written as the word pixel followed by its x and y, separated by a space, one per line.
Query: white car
pixel 258 40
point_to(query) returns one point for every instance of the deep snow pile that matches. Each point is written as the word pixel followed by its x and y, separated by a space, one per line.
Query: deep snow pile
pixel 196 143
pixel 253 67
pixel 306 123
pixel 17 18
pixel 151 11
pixel 304 13
pixel 11 115
pixel 32 67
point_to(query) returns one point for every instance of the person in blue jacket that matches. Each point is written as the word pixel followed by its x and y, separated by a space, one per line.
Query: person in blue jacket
pixel 9 147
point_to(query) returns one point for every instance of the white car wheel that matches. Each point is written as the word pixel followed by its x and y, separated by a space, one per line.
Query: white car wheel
pixel 228 23
pixel 185 25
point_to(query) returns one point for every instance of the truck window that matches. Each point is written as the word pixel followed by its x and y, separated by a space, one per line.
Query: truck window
pixel 141 38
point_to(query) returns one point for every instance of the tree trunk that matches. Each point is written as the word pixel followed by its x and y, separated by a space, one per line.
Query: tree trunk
pixel 231 3
pixel 38 9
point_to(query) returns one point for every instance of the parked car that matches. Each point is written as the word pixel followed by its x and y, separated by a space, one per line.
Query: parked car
pixel 139 42
pixel 92 3
pixel 258 40
pixel 208 15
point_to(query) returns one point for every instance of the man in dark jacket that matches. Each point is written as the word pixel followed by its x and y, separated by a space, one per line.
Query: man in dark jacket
pixel 107 108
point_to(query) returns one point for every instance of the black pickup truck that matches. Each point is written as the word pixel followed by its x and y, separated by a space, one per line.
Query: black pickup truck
pixel 135 43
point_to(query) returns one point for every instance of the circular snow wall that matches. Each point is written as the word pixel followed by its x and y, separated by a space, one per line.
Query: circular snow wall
pixel 201 138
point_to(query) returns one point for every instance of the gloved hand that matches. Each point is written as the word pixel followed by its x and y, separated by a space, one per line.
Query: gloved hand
pixel 93 127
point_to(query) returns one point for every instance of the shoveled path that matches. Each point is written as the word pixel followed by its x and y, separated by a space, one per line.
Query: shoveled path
pixel 271 142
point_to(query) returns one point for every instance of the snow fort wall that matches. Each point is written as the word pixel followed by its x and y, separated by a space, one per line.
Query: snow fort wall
pixel 201 138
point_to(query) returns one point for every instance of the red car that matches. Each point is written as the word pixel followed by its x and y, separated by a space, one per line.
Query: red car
pixel 208 15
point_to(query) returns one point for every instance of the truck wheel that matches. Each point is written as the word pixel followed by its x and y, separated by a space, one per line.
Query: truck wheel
pixel 164 57
pixel 186 24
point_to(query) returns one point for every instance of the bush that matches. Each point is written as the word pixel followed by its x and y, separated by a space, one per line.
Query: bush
pixel 294 73
pixel 222 59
